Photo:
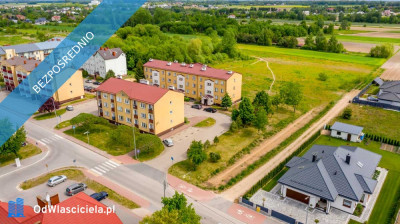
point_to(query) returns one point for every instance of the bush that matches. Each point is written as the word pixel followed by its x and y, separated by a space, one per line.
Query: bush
pixel 382 51
pixel 347 113
pixel 322 77
pixel 359 209
pixel 214 157
pixel 234 126
pixel 216 140
pixel 187 99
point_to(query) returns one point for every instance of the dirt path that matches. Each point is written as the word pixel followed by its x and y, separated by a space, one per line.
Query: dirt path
pixel 392 68
pixel 244 185
pixel 262 149
pixel 273 75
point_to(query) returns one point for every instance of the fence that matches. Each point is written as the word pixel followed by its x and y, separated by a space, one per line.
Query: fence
pixel 376 104
pixel 269 212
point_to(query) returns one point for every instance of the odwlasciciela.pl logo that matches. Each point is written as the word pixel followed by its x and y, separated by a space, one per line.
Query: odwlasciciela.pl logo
pixel 16 208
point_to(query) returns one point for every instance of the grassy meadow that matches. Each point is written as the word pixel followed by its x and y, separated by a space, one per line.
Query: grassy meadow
pixel 364 39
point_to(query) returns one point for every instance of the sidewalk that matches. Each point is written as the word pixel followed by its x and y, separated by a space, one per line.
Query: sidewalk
pixel 189 189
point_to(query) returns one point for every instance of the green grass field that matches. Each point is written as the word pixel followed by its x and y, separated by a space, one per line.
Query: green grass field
pixel 208 122
pixel 375 120
pixel 373 40
pixel 50 115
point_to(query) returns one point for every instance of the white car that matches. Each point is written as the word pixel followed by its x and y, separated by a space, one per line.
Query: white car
pixel 56 180
pixel 168 142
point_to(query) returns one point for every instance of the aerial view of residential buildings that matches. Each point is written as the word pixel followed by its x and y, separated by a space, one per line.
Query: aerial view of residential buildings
pixel 258 112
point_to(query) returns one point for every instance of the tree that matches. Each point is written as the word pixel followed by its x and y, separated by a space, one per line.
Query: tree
pixel 309 43
pixel 382 51
pixel 334 45
pixel 196 153
pixel 260 120
pixel 246 111
pixel 139 73
pixel 206 144
pixel 276 100
pixel 109 74
pixel 345 25
pixel 214 157
pixel 141 16
pixel 229 44
pixel 226 101
pixel 347 113
pixel 234 127
pixel 49 106
pixel 235 114
pixel 262 101
pixel 320 42
pixel 14 143
pixel 291 94
pixel 175 211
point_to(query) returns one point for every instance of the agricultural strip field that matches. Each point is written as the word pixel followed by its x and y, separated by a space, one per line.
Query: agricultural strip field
pixel 368 39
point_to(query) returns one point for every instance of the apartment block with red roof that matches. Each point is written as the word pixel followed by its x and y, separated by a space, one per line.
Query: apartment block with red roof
pixel 149 108
pixel 196 81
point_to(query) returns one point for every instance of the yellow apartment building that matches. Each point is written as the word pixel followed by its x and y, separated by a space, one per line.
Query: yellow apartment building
pixel 150 109
pixel 196 81
pixel 16 69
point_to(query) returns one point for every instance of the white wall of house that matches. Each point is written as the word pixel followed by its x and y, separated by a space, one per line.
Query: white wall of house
pixel 181 82
pixel 118 65
pixel 155 77
pixel 209 87
pixel 343 135
pixel 338 203
pixel 96 63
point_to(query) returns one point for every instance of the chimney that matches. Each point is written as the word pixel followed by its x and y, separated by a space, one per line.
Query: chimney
pixel 314 157
pixel 24 62
pixel 114 54
pixel 101 48
pixel 348 158
pixel 36 65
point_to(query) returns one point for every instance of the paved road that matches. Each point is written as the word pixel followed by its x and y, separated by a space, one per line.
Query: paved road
pixel 183 139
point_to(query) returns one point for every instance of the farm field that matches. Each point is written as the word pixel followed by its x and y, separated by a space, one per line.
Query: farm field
pixel 363 115
pixel 368 39
pixel 23 36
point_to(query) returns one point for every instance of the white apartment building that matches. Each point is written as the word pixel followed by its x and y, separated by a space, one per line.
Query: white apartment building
pixel 106 59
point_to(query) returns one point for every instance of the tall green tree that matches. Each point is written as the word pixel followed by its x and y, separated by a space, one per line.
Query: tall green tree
pixel 246 111
pixel 291 94
pixel 196 153
pixel 229 43
pixel 262 101
pixel 14 143
pixel 226 101
pixel 110 74
pixel 334 45
pixel 321 43
pixel 139 73
pixel 260 120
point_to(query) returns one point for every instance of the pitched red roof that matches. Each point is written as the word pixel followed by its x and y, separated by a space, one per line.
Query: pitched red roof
pixel 195 70
pixel 134 90
pixel 81 199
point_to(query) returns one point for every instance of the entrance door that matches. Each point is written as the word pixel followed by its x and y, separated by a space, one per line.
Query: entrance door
pixel 297 196
pixel 205 101
pixel 348 137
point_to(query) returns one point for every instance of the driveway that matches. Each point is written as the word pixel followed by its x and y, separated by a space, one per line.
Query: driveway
pixel 183 139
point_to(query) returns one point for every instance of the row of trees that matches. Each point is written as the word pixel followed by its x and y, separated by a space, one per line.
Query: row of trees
pixel 320 43
pixel 197 155
pixel 255 113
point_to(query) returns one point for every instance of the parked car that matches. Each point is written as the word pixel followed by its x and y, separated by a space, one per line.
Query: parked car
pixel 88 81
pixel 168 142
pixel 197 106
pixel 99 196
pixel 92 90
pixel 89 88
pixel 86 88
pixel 210 110
pixel 56 180
pixel 96 83
pixel 69 108
pixel 75 188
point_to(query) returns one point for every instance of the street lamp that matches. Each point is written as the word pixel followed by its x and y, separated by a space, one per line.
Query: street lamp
pixel 134 140
pixel 87 133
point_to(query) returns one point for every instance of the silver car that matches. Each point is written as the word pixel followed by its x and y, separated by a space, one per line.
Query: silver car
pixel 168 142
pixel 56 180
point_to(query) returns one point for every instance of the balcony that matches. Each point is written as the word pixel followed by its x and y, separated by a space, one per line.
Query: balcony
pixel 9 72
pixel 136 125
pixel 151 121
pixel 99 97
pixel 151 130
pixel 11 78
pixel 112 100
pixel 19 75
pixel 101 114
pixel 135 116
pixel 134 106
pixel 113 109
pixel 100 105
pixel 4 70
pixel 151 111
pixel 113 118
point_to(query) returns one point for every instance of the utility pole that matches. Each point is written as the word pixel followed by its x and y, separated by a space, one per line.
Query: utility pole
pixel 134 140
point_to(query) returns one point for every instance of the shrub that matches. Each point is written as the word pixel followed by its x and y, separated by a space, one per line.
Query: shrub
pixel 382 51
pixel 234 126
pixel 214 157
pixel 216 140
pixel 322 77
pixel 359 209
pixel 347 113
pixel 187 99
pixel 207 144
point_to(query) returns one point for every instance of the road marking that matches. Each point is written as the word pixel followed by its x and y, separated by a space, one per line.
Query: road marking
pixel 45 140
pixel 95 171
pixel 102 167
pixel 53 138
pixel 60 137
pixel 113 162
pixel 97 168
pixel 40 142
pixel 108 165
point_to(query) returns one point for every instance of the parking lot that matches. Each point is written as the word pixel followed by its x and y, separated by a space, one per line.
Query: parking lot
pixel 29 196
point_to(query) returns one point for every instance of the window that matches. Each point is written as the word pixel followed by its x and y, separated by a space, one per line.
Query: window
pixel 143 115
pixel 201 94
pixel 155 74
pixel 121 118
pixel 107 113
pixel 144 125
pixel 174 74
pixel 105 95
pixel 136 121
pixel 105 104
pixel 170 111
pixel 169 80
pixel 119 108
pixel 194 92
pixel 112 105
pixel 163 86
pixel 151 126
pixel 194 78
pixel 187 76
pixel 180 79
pixel 170 102
pixel 216 90
pixel 222 82
pixel 209 92
pixel 194 85
pixel 187 84
pixel 128 120
pixel 151 70
pixel 169 73
pixel 216 81
pixel 234 80
pixel 216 97
pixel 126 101
pixel 146 69
pixel 174 81
pixel 201 86
pixel 151 116
pixel 163 79
pixel 150 107
pixel 201 79
pixel 187 91
pixel 142 105
pixel 347 203
pixel 181 86
pixel 209 84
pixel 234 88
pixel 135 112
pixel 339 133
pixel 127 111
pixel 171 121
pixel 222 91
pixel 112 97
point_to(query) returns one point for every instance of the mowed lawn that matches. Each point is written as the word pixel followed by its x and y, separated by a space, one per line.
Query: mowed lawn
pixel 389 161
pixel 365 39
pixel 375 120
pixel 302 67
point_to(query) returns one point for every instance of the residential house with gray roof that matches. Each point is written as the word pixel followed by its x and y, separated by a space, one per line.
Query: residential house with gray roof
pixel 106 59
pixel 330 176
pixel 389 93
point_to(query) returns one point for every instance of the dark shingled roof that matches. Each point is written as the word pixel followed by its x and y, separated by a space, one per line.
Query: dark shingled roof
pixel 330 176
pixel 390 91
pixel 109 53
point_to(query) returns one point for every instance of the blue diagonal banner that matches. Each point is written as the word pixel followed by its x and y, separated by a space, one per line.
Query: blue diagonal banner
pixel 63 62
